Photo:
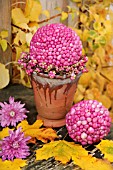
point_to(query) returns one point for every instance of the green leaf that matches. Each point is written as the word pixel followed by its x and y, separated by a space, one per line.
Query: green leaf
pixel 92 33
pixel 3 44
pixel 64 16
pixel 4 34
pixel 102 40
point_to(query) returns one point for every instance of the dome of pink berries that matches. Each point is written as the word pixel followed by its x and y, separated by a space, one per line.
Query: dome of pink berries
pixel 88 121
pixel 55 49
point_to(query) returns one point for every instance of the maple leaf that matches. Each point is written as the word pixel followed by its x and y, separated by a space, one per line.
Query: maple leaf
pixel 61 150
pixel 10 165
pixel 43 134
pixel 92 163
pixel 106 147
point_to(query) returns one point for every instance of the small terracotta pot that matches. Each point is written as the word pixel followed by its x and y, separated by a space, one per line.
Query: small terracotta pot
pixel 53 98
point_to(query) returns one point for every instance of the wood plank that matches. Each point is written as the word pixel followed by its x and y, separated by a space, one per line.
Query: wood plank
pixel 5 24
pixel 50 5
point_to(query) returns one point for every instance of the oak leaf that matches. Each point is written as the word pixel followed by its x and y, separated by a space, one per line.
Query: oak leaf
pixel 106 147
pixel 4 76
pixel 43 134
pixel 12 165
pixel 61 150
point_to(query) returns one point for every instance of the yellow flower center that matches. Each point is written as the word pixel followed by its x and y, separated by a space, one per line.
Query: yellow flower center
pixel 12 113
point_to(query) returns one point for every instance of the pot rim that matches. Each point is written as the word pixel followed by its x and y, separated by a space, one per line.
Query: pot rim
pixel 56 76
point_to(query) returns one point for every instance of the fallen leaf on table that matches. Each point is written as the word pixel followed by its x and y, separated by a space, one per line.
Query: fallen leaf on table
pixel 92 163
pixel 12 165
pixel 43 134
pixel 4 132
pixel 106 147
pixel 24 124
pixel 61 150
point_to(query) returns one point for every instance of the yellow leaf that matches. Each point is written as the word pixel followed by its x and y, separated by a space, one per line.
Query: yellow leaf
pixel 107 73
pixel 46 13
pixel 109 89
pixel 61 150
pixel 33 10
pixel 4 34
pixel 64 16
pixel 43 134
pixel 83 18
pixel 3 44
pixel 105 100
pixel 85 79
pixel 18 17
pixel 4 76
pixel 20 37
pixel 106 147
pixel 28 38
pixel 24 124
pixel 85 35
pixel 92 163
pixel 17 164
pixel 4 132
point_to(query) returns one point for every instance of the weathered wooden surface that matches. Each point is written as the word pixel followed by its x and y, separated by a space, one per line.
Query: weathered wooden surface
pixel 26 96
pixel 5 24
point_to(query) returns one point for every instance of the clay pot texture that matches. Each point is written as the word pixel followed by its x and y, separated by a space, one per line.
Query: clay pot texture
pixel 53 98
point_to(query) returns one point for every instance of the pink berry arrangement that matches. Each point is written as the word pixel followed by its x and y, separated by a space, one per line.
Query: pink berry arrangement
pixel 88 121
pixel 55 49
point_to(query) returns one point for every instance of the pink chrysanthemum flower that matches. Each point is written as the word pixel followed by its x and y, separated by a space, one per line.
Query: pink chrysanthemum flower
pixel 12 113
pixel 14 145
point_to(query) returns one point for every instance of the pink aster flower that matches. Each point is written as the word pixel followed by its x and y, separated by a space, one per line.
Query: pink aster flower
pixel 11 113
pixel 14 145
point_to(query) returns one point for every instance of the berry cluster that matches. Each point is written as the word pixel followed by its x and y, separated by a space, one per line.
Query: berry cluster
pixel 55 49
pixel 88 121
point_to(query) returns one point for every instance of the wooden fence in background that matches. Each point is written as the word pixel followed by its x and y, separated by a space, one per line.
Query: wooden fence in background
pixel 5 20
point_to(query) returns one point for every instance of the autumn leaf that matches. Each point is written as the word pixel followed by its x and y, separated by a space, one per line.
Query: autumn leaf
pixel 106 147
pixel 4 34
pixel 33 10
pixel 61 150
pixel 18 17
pixel 43 134
pixel 17 164
pixel 64 15
pixel 46 13
pixel 4 76
pixel 92 163
pixel 3 44
pixel 4 132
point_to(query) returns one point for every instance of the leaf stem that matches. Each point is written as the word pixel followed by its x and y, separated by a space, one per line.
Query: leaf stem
pixel 11 62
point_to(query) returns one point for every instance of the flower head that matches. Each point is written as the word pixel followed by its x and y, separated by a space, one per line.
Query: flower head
pixel 12 112
pixel 88 121
pixel 56 48
pixel 14 145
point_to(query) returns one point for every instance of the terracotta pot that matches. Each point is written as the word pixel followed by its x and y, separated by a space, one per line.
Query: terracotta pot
pixel 53 98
